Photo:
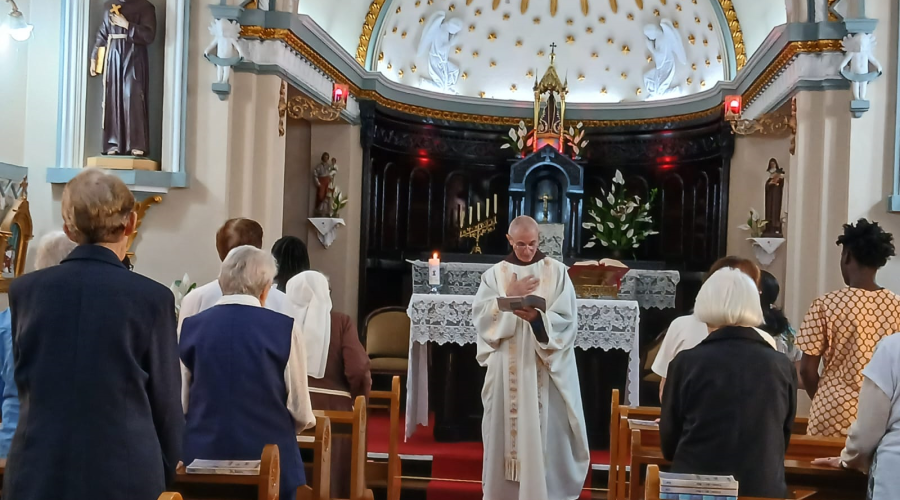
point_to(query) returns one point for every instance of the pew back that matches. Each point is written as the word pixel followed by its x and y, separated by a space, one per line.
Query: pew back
pixel 264 486
pixel 389 472
pixel 318 474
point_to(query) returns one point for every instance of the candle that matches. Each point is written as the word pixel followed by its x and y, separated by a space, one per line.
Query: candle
pixel 496 206
pixel 434 270
pixel 487 210
pixel 462 215
pixel 479 211
pixel 470 215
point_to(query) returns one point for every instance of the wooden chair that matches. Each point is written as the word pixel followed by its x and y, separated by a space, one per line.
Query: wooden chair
pixel 390 471
pixel 386 337
pixel 357 422
pixel 168 495
pixel 264 486
pixel 318 473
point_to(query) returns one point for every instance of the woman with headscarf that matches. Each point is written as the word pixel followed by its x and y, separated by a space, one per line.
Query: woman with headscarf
pixel 337 363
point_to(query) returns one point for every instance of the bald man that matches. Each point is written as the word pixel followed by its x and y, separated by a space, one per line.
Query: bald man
pixel 535 441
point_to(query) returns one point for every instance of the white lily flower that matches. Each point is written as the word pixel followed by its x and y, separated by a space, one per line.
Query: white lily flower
pixel 588 225
pixel 622 218
pixel 585 143
pixel 580 124
pixel 504 146
pixel 604 243
pixel 513 135
pixel 611 225
pixel 589 244
pixel 754 214
pixel 635 246
pixel 571 131
pixel 618 179
pixel 650 233
pixel 744 227
pixel 610 198
pixel 597 201
pixel 630 233
pixel 520 143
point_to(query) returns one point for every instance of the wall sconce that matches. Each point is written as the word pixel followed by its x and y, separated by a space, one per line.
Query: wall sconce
pixel 339 96
pixel 775 123
pixel 732 107
pixel 15 24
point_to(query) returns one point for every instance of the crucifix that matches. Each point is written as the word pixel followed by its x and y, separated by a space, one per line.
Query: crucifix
pixel 115 9
pixel 546 199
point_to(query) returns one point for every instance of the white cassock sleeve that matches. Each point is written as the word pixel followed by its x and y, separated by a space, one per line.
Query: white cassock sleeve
pixel 492 325
pixel 559 322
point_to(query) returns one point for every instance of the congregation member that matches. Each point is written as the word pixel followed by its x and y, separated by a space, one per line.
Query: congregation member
pixel 842 328
pixel 535 440
pixel 234 233
pixel 51 250
pixel 337 363
pixel 246 383
pixel 775 322
pixel 688 331
pixel 292 257
pixel 730 401
pixel 873 443
pixel 96 362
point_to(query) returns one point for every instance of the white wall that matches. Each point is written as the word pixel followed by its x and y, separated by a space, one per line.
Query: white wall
pixel 342 19
pixel 757 18
pixel 13 85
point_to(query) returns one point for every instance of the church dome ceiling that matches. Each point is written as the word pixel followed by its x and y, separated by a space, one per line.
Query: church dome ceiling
pixel 501 46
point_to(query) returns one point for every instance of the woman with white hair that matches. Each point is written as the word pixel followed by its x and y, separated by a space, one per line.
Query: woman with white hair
pixel 52 249
pixel 338 366
pixel 730 402
pixel 245 373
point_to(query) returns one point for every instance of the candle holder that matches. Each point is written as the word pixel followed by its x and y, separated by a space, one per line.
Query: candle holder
pixel 477 230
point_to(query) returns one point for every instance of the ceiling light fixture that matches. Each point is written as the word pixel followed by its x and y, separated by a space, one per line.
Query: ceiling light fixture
pixel 15 24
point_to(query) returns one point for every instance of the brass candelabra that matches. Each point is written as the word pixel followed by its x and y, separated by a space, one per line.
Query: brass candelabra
pixel 477 230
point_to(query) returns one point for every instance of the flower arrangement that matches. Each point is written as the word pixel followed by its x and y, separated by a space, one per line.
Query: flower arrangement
pixel 180 288
pixel 755 224
pixel 575 139
pixel 520 137
pixel 620 222
pixel 517 139
pixel 338 202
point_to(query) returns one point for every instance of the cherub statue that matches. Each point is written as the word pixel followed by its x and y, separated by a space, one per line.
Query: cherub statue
pixel 437 38
pixel 860 49
pixel 666 46
pixel 228 51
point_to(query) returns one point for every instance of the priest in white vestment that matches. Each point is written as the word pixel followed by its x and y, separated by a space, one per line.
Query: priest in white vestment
pixel 535 440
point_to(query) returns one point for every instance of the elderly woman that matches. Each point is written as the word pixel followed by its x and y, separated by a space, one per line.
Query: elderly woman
pixel 245 372
pixel 52 249
pixel 873 444
pixel 96 362
pixel 337 362
pixel 730 401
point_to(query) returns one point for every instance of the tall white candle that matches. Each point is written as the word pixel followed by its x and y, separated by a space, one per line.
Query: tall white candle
pixel 434 270
pixel 478 211
pixel 496 206
pixel 470 215
pixel 487 210
pixel 462 215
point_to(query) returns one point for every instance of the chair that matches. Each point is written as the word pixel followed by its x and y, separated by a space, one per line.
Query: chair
pixel 386 337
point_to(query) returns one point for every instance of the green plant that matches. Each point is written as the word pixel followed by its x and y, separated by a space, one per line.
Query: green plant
pixel 338 202
pixel 755 224
pixel 180 288
pixel 619 221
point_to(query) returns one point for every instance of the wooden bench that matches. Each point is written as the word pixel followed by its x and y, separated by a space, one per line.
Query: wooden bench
pixel 356 420
pixel 801 451
pixel 652 490
pixel 264 486
pixel 388 472
pixel 318 473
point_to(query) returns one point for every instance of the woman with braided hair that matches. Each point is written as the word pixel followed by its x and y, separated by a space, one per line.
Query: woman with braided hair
pixel 292 258
pixel 842 328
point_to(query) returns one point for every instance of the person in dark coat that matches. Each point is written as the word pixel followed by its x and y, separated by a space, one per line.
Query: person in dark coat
pixel 96 363
pixel 730 402
pixel 245 367
pixel 338 366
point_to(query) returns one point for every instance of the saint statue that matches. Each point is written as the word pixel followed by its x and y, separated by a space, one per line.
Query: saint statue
pixel 774 191
pixel 323 175
pixel 120 55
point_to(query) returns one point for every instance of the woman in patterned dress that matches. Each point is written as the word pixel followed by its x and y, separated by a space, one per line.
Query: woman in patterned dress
pixel 843 327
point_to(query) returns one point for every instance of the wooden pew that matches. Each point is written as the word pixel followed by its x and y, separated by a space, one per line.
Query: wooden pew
pixel 318 473
pixel 357 422
pixel 389 472
pixel 265 486
pixel 168 495
pixel 801 451
pixel 652 489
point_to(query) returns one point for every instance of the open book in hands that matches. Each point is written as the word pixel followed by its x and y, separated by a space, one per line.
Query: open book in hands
pixel 509 304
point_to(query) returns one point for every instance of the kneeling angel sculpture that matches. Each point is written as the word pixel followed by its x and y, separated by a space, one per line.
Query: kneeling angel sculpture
pixel 666 46
pixel 437 38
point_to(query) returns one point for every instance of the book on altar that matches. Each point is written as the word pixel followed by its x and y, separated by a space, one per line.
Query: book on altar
pixel 509 304
pixel 229 467
pixel 597 278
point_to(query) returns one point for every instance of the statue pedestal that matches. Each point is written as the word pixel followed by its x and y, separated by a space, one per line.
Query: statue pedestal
pixel 764 249
pixel 116 162
pixel 327 229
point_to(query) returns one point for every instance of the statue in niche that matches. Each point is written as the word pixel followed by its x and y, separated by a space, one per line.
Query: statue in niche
pixel 667 48
pixel 860 51
pixel 323 175
pixel 120 56
pixel 437 38
pixel 774 193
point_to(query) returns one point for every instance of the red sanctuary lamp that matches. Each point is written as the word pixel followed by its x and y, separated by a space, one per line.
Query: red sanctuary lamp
pixel 733 107
pixel 339 95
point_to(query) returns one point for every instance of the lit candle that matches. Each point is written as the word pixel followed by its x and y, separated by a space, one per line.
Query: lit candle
pixel 487 210
pixel 478 211
pixel 462 215
pixel 470 215
pixel 434 270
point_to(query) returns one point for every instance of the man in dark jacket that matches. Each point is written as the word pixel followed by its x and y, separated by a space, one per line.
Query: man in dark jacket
pixel 96 363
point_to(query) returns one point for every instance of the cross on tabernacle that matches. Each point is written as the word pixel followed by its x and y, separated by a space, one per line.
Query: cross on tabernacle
pixel 546 199
pixel 547 154
pixel 115 9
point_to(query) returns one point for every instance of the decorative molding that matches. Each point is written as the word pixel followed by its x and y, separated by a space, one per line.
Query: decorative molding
pixel 784 59
pixel 365 37
pixel 141 208
pixel 737 36
pixel 301 107
pixel 776 123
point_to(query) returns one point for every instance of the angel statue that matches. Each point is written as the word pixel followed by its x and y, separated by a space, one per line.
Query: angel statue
pixel 666 46
pixel 437 38
pixel 860 48
pixel 228 51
